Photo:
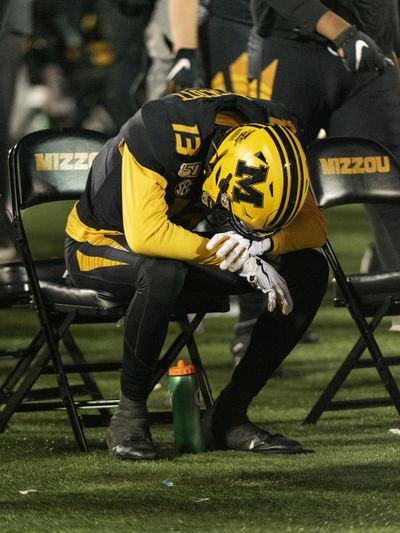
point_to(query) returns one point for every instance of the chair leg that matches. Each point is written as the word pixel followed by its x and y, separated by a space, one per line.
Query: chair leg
pixel 70 406
pixel 175 348
pixel 14 401
pixel 385 374
pixel 18 396
pixel 194 354
pixel 87 378
pixel 52 339
pixel 185 338
pixel 24 362
pixel 11 354
pixel 366 340
pixel 336 382
pixel 78 358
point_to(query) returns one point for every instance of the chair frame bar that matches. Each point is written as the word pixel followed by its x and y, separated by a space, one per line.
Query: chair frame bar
pixel 366 341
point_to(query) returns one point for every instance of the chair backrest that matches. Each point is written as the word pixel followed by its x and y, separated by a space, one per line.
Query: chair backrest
pixel 50 165
pixel 346 170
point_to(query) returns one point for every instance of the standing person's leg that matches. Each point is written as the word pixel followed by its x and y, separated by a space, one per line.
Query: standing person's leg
pixel 227 66
pixel 371 110
pixel 274 66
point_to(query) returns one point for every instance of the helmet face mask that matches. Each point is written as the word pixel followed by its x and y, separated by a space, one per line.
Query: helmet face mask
pixel 258 175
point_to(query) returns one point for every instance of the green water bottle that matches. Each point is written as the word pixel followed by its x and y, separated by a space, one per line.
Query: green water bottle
pixel 184 392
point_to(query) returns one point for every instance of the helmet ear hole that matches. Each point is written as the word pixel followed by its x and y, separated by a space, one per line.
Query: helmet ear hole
pixel 207 200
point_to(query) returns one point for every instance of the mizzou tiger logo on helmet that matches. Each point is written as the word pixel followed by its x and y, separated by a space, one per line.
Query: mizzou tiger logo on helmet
pixel 259 174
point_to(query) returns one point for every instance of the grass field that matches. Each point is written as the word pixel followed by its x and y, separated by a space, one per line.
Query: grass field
pixel 350 483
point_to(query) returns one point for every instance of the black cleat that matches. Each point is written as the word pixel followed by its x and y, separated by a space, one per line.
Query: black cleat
pixel 246 437
pixel 132 448
pixel 250 438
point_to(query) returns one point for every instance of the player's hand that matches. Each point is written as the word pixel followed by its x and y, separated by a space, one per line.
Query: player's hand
pixel 266 279
pixel 184 72
pixel 236 249
pixel 359 52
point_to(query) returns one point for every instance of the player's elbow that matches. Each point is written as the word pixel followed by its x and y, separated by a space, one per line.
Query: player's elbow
pixel 141 246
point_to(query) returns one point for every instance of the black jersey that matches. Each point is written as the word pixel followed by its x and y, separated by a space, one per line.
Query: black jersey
pixel 170 137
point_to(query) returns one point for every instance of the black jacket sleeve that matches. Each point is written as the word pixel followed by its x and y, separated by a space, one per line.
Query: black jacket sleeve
pixel 303 14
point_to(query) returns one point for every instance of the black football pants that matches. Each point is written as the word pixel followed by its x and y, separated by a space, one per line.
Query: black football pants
pixel 153 285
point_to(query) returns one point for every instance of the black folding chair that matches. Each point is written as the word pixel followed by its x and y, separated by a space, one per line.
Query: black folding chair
pixel 358 171
pixel 15 294
pixel 49 166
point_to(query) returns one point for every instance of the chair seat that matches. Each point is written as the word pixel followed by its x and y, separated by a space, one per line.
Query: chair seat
pixel 14 283
pixel 61 295
pixel 373 290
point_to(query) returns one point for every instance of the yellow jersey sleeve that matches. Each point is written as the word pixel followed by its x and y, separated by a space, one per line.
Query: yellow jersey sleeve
pixel 147 228
pixel 308 230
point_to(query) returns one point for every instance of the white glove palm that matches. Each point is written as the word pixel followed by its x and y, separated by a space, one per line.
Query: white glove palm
pixel 236 249
pixel 266 279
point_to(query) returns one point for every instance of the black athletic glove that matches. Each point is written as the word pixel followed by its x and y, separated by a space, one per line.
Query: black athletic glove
pixel 361 53
pixel 184 72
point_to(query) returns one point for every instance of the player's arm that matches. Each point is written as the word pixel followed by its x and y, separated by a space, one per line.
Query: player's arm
pixel 147 228
pixel 312 15
pixel 183 22
pixel 303 13
pixel 184 71
pixel 308 230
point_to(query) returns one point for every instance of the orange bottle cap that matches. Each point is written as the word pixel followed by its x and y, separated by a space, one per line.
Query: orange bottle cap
pixel 181 369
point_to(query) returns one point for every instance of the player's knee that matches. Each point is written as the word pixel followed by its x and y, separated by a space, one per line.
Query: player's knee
pixel 164 275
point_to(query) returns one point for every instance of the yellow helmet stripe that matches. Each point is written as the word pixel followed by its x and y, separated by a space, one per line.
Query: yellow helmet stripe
pixel 291 203
pixel 301 171
pixel 282 146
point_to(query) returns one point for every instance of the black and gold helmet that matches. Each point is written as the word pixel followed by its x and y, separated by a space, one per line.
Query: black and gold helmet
pixel 259 174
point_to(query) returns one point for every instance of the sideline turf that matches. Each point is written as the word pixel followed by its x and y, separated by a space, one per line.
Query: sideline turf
pixel 350 483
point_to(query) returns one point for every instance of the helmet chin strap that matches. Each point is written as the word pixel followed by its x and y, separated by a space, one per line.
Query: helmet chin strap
pixel 247 234
pixel 240 228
